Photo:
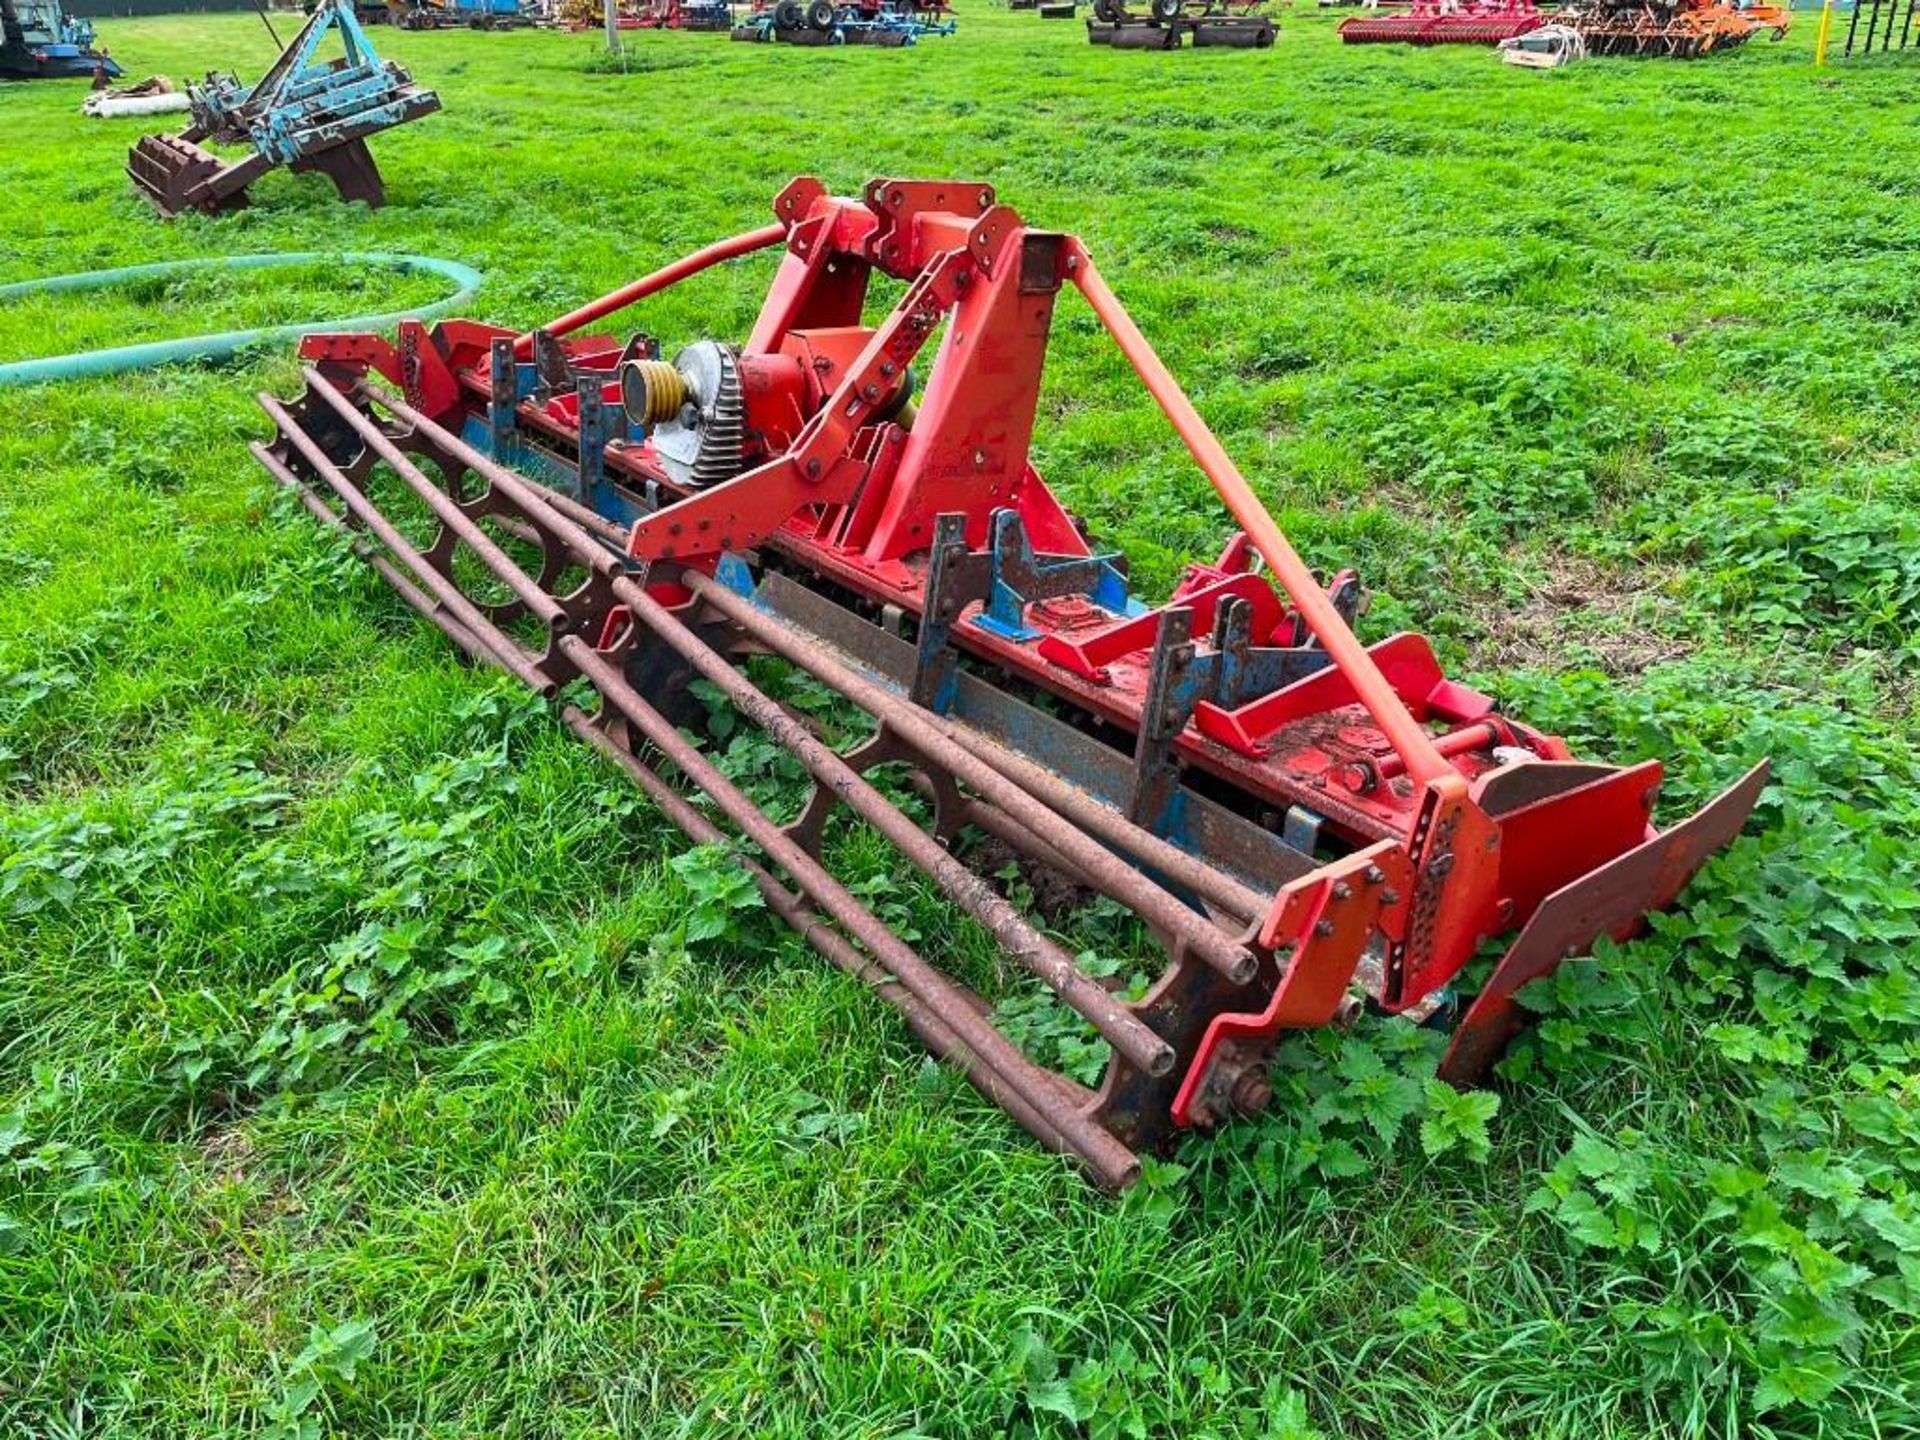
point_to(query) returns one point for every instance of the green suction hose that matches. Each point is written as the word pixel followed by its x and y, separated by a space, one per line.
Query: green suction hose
pixel 227 343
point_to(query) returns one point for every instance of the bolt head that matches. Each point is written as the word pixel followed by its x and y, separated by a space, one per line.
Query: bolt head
pixel 1252 1092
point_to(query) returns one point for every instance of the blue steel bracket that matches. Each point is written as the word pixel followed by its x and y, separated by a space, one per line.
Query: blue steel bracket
pixel 956 577
pixel 554 371
pixel 1020 577
pixel 1300 829
pixel 1238 671
pixel 597 423
pixel 737 576
pixel 503 404
pixel 1164 712
pixel 1230 673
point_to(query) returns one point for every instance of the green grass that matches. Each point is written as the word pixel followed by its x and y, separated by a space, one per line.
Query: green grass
pixel 361 1070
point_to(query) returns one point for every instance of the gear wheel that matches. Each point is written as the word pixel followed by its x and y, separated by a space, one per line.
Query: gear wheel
pixel 705 443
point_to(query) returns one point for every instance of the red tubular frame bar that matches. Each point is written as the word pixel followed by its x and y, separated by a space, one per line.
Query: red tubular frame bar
pixel 1423 762
pixel 703 259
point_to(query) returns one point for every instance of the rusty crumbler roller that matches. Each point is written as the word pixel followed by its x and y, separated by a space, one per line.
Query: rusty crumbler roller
pixel 1305 822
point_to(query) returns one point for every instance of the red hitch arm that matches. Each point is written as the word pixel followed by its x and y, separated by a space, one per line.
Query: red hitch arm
pixel 660 279
pixel 1424 763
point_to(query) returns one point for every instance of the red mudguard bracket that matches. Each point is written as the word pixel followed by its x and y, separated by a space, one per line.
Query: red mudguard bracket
pixel 1612 900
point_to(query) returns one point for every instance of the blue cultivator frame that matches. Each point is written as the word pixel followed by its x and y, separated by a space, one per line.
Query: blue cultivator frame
pixel 40 41
pixel 304 113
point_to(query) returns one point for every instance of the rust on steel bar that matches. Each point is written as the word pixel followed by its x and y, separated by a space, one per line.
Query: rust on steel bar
pixel 923 1020
pixel 1031 797
pixel 589 520
pixel 744 244
pixel 429 608
pixel 1216 887
pixel 511 657
pixel 1003 827
pixel 543 606
pixel 1155 905
pixel 1125 883
pixel 532 498
pixel 1112 1163
pixel 1424 763
pixel 1118 1025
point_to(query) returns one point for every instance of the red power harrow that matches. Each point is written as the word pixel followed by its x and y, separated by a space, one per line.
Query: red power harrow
pixel 1446 22
pixel 1305 822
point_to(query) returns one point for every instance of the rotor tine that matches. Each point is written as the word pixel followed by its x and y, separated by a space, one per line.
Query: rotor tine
pixel 1213 885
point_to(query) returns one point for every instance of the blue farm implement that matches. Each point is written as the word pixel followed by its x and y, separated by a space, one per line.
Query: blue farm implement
pixel 1309 825
pixel 459 14
pixel 40 41
pixel 685 15
pixel 305 113
pixel 887 23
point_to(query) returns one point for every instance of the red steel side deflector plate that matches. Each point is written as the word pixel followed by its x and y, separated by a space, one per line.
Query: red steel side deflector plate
pixel 1612 900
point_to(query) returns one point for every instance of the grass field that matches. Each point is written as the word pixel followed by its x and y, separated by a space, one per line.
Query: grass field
pixel 368 1067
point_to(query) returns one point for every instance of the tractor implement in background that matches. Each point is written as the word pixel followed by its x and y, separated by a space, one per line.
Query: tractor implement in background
pixel 1229 24
pixel 653 15
pixel 459 14
pixel 1676 29
pixel 1446 22
pixel 686 15
pixel 890 24
pixel 305 113
pixel 1306 823
pixel 40 41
